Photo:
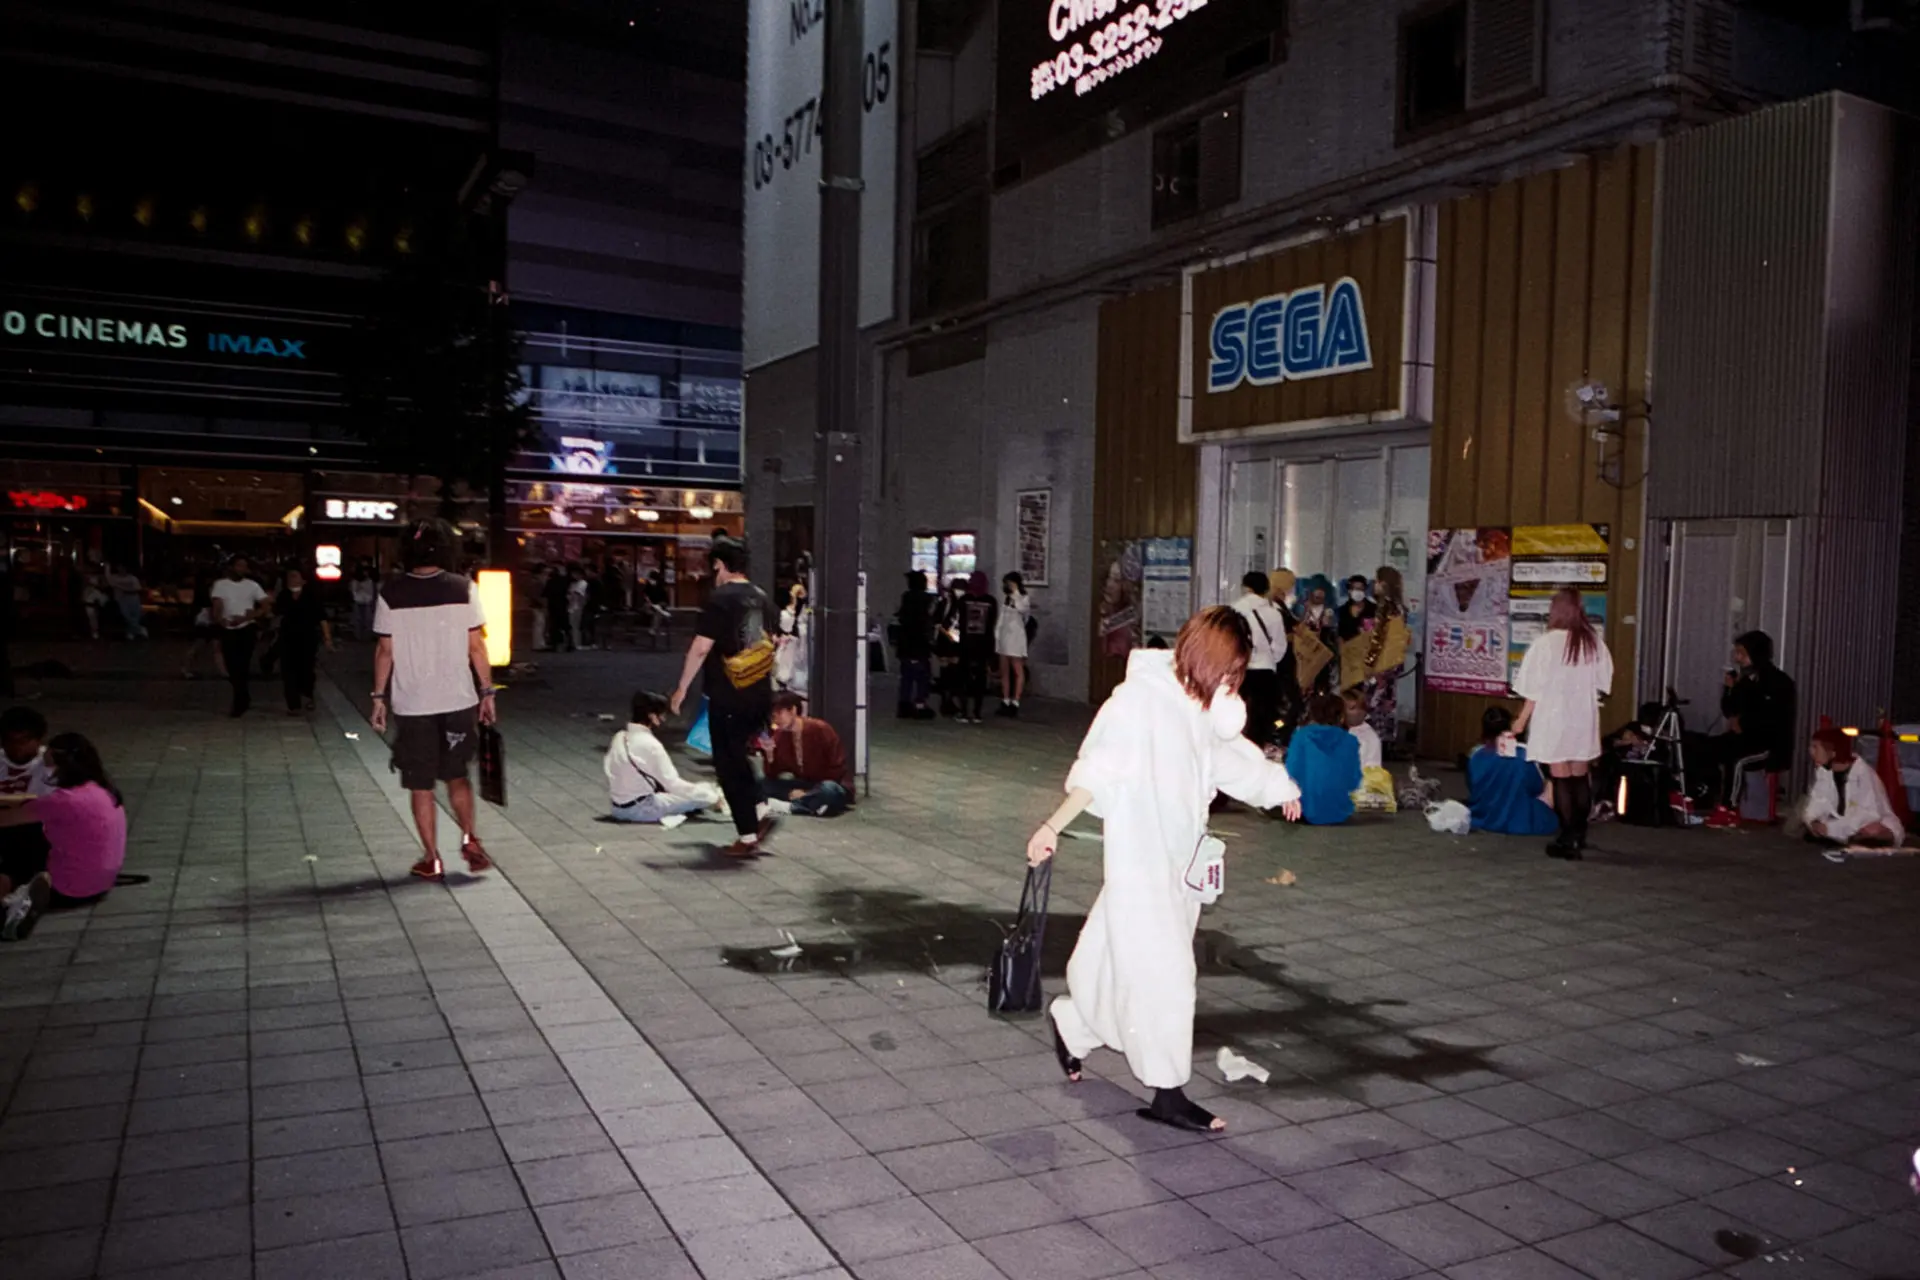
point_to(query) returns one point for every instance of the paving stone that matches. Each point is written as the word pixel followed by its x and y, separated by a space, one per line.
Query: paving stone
pixel 1341 1252
pixel 372 1257
pixel 576 1177
pixel 887 1228
pixel 606 1222
pixel 1064 1251
pixel 783 1247
pixel 1158 1233
pixel 1613 1252
pixel 184 1237
pixel 440 1250
pixel 1438 1234
pixel 328 1215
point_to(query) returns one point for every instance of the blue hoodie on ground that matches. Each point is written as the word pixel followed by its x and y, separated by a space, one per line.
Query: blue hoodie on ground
pixel 1503 792
pixel 1324 760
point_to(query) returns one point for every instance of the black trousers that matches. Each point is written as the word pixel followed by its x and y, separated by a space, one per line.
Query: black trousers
pixel 1734 754
pixel 733 728
pixel 1260 690
pixel 297 673
pixel 974 679
pixel 236 647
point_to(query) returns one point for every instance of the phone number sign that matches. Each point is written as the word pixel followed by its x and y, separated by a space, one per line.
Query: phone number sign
pixel 786 69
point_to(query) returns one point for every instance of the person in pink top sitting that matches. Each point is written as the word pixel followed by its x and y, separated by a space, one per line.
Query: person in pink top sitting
pixel 85 823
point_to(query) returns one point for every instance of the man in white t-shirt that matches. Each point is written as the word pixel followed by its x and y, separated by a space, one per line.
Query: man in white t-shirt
pixel 1260 690
pixel 430 669
pixel 237 603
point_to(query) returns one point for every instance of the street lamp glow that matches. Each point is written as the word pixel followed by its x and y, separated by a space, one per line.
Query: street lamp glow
pixel 496 606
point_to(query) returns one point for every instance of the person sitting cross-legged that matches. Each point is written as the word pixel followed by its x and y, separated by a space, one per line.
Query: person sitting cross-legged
pixel 85 845
pixel 806 765
pixel 1847 803
pixel 1506 791
pixel 642 783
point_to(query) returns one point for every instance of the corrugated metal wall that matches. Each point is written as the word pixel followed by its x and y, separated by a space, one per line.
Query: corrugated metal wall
pixel 1145 481
pixel 1739 366
pixel 1543 282
pixel 1782 372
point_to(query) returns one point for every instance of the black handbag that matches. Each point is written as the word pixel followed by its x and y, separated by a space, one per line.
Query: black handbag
pixel 1013 984
pixel 493 766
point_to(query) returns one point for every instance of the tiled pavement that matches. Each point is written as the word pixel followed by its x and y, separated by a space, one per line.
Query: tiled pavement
pixel 282 1059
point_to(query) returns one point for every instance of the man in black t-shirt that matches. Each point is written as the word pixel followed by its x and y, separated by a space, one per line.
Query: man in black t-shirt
pixel 734 645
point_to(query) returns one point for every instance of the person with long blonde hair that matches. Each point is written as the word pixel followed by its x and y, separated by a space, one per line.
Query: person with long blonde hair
pixel 1562 677
pixel 1165 742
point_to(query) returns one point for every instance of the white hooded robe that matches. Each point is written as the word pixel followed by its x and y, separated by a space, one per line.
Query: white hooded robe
pixel 1152 762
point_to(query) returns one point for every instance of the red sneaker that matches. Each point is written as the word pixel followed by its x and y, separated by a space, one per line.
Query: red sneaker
pixel 1723 818
pixel 429 868
pixel 476 855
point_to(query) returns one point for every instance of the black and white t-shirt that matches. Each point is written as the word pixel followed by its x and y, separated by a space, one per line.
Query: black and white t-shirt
pixel 429 617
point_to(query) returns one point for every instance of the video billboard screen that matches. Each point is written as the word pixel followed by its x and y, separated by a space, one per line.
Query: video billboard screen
pixel 1074 74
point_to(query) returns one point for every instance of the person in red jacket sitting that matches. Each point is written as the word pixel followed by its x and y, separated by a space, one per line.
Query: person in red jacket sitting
pixel 806 765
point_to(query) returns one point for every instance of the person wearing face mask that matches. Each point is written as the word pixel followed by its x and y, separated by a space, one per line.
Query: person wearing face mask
pixel 1358 611
pixel 1164 743
pixel 1317 637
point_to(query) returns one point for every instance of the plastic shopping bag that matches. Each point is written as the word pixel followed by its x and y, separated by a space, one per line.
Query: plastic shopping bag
pixel 1449 817
pixel 700 737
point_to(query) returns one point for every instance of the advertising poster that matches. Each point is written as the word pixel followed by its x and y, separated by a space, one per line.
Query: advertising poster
pixel 1120 597
pixel 1560 555
pixel 1033 526
pixel 1167 591
pixel 1547 557
pixel 1527 619
pixel 1466 622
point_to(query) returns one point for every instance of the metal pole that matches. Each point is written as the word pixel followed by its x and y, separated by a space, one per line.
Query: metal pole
pixel 838 473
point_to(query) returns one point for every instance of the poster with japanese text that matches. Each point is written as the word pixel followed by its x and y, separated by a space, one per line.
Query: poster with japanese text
pixel 1120 597
pixel 1166 598
pixel 1466 622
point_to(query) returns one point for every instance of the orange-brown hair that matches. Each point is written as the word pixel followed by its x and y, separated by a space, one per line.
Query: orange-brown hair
pixel 1211 652
pixel 1568 613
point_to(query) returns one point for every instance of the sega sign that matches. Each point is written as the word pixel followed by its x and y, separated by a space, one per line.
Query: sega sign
pixel 1313 332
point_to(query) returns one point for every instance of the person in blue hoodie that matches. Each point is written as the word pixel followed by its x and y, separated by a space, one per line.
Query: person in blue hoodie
pixel 1505 791
pixel 1324 760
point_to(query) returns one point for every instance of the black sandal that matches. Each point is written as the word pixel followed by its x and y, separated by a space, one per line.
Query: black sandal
pixel 1071 1065
pixel 1174 1109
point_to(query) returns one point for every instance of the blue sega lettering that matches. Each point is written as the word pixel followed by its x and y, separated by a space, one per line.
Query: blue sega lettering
pixel 1309 333
pixel 242 344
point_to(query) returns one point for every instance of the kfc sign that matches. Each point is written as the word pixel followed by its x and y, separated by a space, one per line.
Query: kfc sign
pixel 358 509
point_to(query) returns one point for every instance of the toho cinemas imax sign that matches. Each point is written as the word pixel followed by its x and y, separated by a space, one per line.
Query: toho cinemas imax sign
pixel 1308 335
pixel 79 345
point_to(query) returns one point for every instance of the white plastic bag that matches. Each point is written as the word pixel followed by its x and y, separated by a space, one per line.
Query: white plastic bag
pixel 1450 818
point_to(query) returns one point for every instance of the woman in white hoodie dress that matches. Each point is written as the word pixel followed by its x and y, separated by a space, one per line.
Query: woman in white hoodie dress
pixel 1165 742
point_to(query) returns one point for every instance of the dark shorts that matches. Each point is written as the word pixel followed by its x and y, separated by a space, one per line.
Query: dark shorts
pixel 431 749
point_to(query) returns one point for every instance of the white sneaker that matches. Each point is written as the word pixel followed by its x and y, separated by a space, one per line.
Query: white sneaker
pixel 782 808
pixel 19 905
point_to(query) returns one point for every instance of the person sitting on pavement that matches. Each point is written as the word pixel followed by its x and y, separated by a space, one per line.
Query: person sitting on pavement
pixel 642 783
pixel 806 765
pixel 1505 792
pixel 1847 803
pixel 1759 708
pixel 84 825
pixel 1324 761
pixel 23 770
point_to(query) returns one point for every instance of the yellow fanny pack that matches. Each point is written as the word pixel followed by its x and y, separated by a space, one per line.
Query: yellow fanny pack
pixel 751 665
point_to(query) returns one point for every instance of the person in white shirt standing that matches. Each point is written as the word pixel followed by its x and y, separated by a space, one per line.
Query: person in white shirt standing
pixel 430 669
pixel 237 603
pixel 366 589
pixel 1260 690
pixel 642 783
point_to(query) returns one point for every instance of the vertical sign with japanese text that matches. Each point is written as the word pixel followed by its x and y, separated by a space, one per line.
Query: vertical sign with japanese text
pixel 786 62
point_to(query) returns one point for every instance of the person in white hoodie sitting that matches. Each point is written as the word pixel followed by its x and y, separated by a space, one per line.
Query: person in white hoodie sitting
pixel 642 783
pixel 1847 804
